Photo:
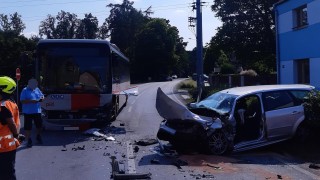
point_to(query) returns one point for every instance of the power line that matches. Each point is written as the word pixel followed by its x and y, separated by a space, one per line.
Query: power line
pixel 13 2
pixel 156 8
pixel 100 13
pixel 49 4
pixel 169 5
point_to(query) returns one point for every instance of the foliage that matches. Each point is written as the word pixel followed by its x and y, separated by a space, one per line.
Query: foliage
pixel 88 27
pixel 247 31
pixel 222 59
pixel 265 65
pixel 227 68
pixel 224 63
pixel 182 63
pixel 122 25
pixel 153 46
pixel 66 25
pixel 211 56
pixel 312 109
pixel 155 49
pixel 192 55
pixel 13 23
pixel 12 45
pixel 187 84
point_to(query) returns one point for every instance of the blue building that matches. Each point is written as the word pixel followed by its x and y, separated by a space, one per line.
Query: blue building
pixel 298 41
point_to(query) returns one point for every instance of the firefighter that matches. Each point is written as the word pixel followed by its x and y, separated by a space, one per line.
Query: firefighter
pixel 9 129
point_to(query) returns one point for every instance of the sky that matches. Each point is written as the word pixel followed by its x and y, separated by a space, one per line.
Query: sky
pixel 177 11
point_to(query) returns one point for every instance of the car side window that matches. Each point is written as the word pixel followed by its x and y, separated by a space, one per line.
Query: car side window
pixel 299 95
pixel 277 100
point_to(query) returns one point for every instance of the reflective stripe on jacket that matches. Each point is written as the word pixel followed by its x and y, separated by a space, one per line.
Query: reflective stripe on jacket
pixel 7 141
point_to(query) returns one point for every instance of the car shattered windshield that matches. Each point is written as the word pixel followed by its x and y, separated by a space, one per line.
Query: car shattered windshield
pixel 220 102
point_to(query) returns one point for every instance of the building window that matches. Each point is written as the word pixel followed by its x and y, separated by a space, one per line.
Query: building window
pixel 303 71
pixel 300 16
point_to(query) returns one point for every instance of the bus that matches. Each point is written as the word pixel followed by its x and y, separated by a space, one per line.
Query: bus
pixel 83 80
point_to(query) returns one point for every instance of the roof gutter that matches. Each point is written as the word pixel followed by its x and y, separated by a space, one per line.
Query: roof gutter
pixel 279 2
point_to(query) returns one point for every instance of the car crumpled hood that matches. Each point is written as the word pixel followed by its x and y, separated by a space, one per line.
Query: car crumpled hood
pixel 171 110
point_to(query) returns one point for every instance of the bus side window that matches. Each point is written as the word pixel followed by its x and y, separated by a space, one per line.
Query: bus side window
pixel 116 77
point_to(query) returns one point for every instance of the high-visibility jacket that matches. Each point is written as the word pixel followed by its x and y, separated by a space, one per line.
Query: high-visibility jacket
pixel 7 141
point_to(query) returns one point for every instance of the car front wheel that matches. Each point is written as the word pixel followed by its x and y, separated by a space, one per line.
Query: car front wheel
pixel 218 143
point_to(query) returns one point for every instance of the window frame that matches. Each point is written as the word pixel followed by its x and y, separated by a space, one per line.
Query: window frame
pixel 300 15
pixel 288 94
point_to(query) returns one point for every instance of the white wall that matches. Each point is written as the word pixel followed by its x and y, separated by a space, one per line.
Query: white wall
pixel 313 12
pixel 287 75
pixel 285 22
pixel 315 72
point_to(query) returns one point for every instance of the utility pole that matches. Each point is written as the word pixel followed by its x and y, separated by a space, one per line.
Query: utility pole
pixel 199 49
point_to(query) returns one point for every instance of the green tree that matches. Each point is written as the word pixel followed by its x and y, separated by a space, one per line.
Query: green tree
pixel 182 64
pixel 12 23
pixel 155 50
pixel 248 31
pixel 224 63
pixel 124 22
pixel 88 27
pixel 212 53
pixel 67 24
pixel 48 27
pixel 192 58
pixel 12 45
pixel 103 31
pixel 63 26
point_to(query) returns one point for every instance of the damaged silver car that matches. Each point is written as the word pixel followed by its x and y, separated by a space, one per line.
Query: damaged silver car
pixel 234 119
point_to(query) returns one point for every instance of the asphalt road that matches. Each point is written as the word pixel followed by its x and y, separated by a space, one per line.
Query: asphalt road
pixel 72 155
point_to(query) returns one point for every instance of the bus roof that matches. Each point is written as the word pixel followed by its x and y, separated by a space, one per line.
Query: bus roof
pixel 113 47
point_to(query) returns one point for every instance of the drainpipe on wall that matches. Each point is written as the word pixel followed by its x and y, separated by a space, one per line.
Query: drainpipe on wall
pixel 277 45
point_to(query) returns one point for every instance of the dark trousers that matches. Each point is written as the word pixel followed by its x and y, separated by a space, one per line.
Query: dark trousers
pixel 7 163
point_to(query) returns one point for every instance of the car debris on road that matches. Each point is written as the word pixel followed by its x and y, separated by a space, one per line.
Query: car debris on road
pixel 95 132
pixel 146 142
pixel 118 173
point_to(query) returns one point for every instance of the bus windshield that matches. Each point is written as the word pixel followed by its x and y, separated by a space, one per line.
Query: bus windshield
pixel 74 67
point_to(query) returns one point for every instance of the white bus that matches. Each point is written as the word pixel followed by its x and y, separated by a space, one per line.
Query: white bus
pixel 83 80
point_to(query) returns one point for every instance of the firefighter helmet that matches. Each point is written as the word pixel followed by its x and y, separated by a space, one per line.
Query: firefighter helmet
pixel 7 85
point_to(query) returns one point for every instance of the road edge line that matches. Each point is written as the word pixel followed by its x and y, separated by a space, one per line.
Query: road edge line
pixel 130 158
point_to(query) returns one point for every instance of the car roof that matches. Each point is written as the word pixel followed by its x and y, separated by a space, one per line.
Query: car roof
pixel 263 88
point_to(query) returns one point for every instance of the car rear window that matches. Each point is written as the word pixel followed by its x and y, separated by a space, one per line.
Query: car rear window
pixel 299 95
